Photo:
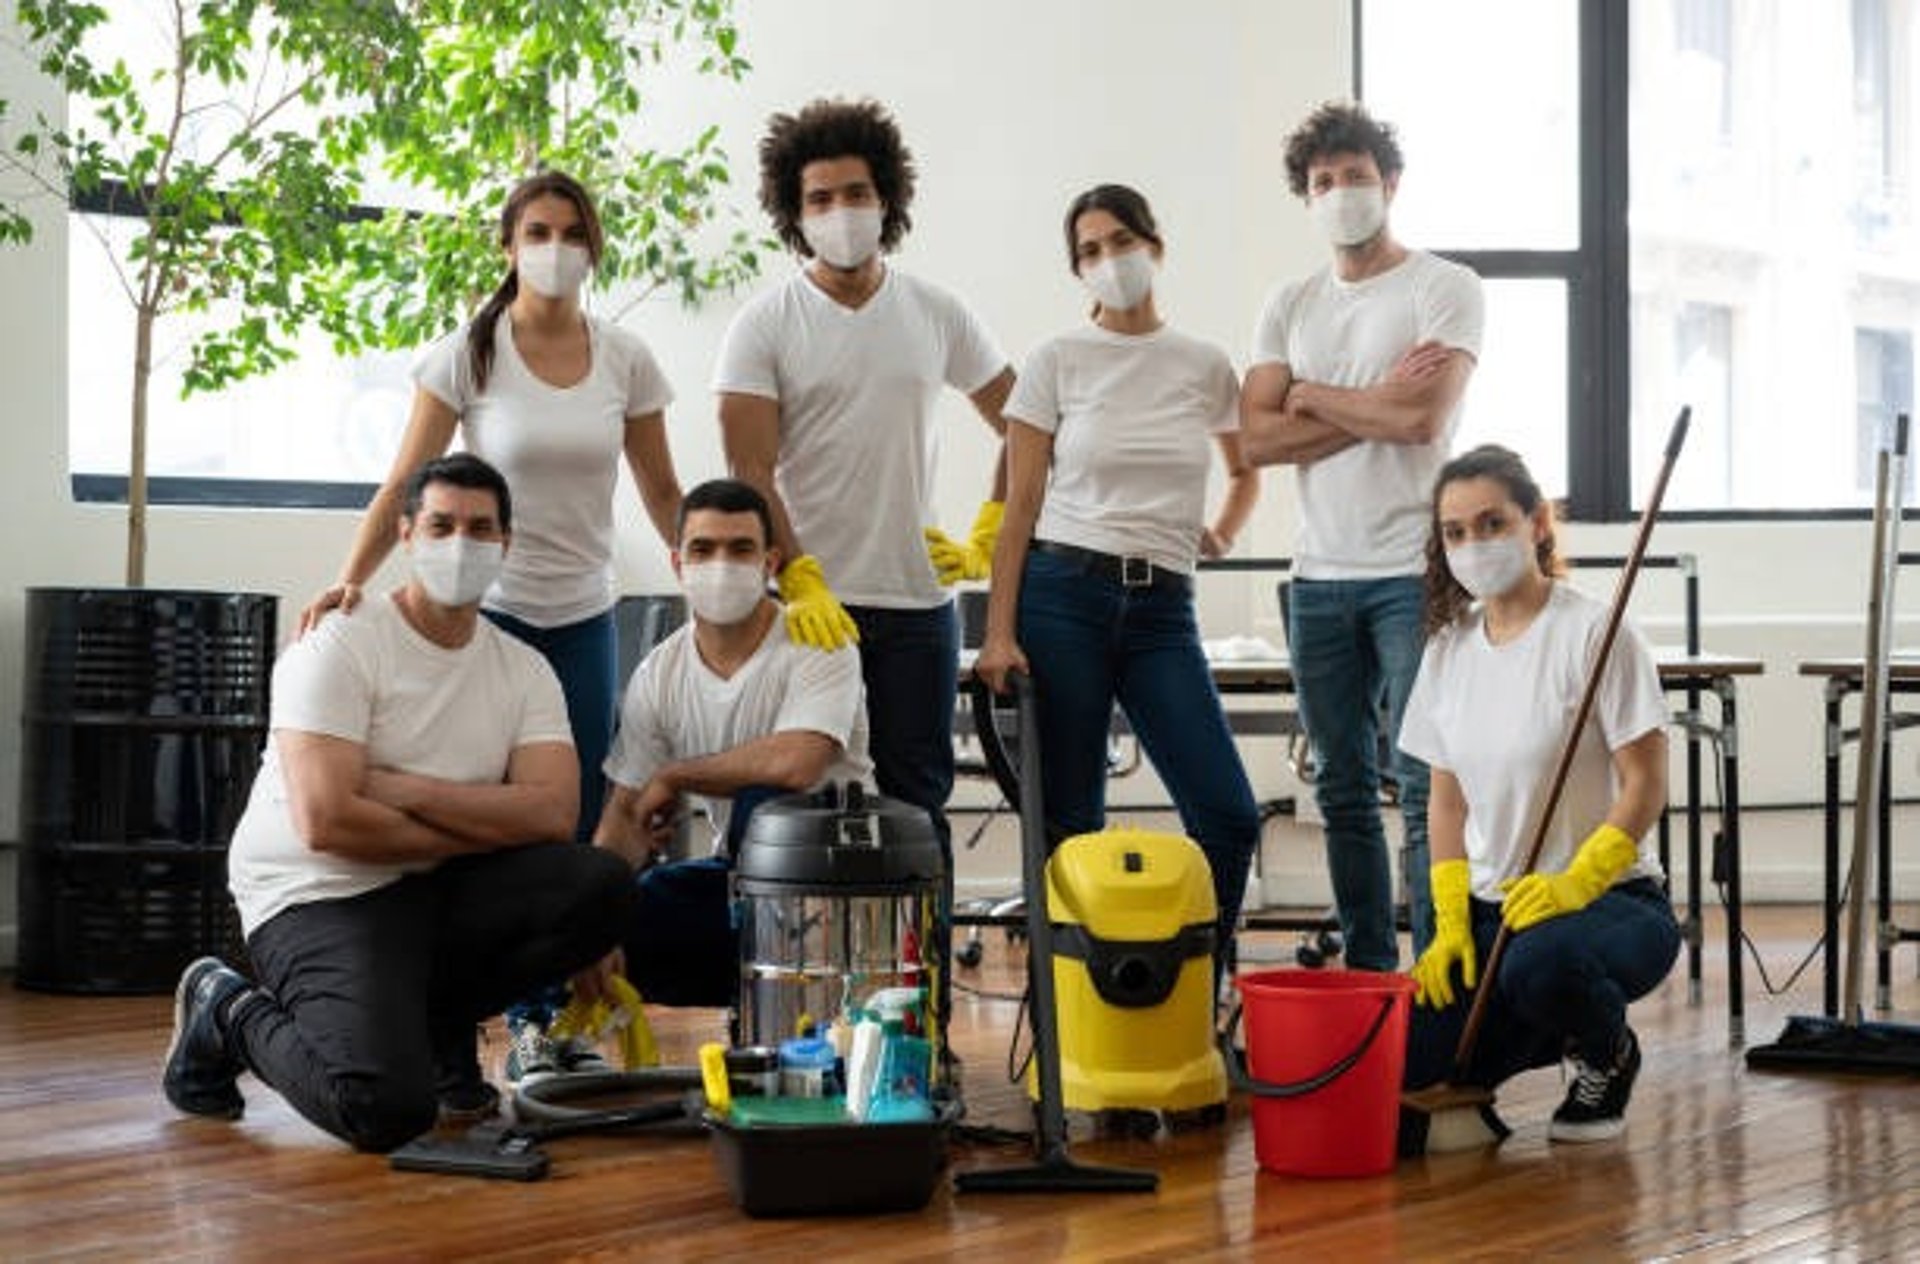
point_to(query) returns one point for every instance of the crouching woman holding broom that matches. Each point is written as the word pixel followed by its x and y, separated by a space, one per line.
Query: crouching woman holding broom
pixel 1591 929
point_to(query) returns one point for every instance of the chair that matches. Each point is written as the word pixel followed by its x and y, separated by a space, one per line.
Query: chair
pixel 1319 933
pixel 640 622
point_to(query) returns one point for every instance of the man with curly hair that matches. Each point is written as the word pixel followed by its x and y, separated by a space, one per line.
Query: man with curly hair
pixel 1356 378
pixel 828 384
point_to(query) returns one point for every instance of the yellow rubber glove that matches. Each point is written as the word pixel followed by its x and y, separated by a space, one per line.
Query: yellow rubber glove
pixel 954 561
pixel 1452 937
pixel 627 1018
pixel 814 615
pixel 1607 853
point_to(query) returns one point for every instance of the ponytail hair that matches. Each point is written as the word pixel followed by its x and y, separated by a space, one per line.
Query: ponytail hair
pixel 542 184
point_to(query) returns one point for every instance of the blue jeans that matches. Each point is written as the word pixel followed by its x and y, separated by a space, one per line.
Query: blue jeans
pixel 682 942
pixel 1356 643
pixel 585 656
pixel 1565 982
pixel 910 661
pixel 1092 641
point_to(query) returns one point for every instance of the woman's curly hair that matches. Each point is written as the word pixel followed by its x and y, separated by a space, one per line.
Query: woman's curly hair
pixel 825 129
pixel 1341 127
pixel 1446 601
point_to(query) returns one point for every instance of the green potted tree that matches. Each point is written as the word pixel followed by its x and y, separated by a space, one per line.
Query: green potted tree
pixel 240 150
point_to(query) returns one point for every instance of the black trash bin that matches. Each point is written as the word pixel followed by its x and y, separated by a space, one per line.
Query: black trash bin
pixel 145 711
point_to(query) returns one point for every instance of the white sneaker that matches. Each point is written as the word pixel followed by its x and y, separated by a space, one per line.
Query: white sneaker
pixel 531 1055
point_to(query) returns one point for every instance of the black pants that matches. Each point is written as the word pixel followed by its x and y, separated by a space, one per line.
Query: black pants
pixel 367 1002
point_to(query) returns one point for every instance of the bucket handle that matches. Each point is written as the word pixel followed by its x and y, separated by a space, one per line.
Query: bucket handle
pixel 1241 1079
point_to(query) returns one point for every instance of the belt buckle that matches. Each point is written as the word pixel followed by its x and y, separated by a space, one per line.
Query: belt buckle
pixel 1136 572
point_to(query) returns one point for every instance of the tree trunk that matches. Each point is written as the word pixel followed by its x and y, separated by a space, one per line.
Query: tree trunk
pixel 137 452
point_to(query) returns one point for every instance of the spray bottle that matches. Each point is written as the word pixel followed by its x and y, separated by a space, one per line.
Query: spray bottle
pixel 899 1093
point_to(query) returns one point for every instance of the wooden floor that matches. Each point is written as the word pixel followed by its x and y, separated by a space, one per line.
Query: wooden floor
pixel 1717 1164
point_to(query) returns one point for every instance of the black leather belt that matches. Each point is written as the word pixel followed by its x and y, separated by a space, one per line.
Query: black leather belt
pixel 1128 572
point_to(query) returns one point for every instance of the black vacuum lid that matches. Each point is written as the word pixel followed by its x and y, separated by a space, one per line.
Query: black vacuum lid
pixel 842 839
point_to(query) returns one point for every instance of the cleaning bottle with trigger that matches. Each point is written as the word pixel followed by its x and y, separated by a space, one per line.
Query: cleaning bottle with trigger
pixel 900 1092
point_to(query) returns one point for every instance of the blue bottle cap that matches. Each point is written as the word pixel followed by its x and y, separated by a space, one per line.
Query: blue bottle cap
pixel 806 1051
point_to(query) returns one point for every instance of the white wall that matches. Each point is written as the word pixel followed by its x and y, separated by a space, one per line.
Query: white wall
pixel 1011 108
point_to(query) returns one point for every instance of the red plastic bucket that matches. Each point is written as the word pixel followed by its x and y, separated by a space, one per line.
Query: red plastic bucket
pixel 1325 1052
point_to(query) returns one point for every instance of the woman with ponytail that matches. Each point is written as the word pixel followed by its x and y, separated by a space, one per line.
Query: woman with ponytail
pixel 554 398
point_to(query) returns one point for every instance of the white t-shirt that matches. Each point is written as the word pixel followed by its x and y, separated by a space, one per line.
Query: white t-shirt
pixel 560 450
pixel 1131 416
pixel 1364 510
pixel 858 447
pixel 676 707
pixel 456 714
pixel 1495 716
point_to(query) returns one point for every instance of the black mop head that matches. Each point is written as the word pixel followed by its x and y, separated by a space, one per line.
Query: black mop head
pixel 1812 1043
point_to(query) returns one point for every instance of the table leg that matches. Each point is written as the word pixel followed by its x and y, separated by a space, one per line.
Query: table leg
pixel 1730 840
pixel 1830 895
pixel 1882 942
pixel 1695 926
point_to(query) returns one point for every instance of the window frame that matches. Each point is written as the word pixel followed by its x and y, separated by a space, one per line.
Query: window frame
pixel 1597 274
pixel 1599 331
pixel 113 199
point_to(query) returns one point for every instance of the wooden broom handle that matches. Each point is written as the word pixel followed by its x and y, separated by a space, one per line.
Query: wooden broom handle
pixel 1476 1016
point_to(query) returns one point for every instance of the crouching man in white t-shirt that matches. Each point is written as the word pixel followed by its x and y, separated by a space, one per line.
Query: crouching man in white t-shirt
pixel 728 711
pixel 405 865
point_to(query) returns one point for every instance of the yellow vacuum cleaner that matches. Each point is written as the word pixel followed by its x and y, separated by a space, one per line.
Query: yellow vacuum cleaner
pixel 1134 933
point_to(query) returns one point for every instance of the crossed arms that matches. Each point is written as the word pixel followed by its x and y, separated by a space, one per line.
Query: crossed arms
pixel 344 808
pixel 1286 420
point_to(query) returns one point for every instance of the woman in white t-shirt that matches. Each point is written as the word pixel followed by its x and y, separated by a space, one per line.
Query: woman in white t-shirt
pixel 1592 928
pixel 1108 447
pixel 554 398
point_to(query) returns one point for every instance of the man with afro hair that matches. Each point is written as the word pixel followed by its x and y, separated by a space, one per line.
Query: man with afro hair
pixel 827 385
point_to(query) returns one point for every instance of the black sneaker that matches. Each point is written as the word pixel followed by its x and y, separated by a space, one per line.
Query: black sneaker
pixel 464 1095
pixel 201 1068
pixel 467 1101
pixel 1596 1105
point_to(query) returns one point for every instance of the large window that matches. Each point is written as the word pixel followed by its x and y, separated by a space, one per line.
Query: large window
pixel 1508 206
pixel 322 430
pixel 1740 178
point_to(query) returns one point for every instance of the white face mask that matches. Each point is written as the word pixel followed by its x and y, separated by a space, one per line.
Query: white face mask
pixel 554 269
pixel 1120 282
pixel 455 569
pixel 1492 568
pixel 1350 214
pixel 723 592
pixel 845 237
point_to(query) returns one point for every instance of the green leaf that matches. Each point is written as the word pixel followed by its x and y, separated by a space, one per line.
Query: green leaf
pixel 250 218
